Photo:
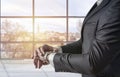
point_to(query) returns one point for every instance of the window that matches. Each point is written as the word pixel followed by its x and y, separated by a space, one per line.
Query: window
pixel 16 50
pixel 28 24
pixel 79 7
pixel 75 25
pixel 16 29
pixel 16 7
pixel 50 7
pixel 50 29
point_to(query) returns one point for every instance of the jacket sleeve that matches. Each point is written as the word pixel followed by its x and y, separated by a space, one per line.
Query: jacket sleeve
pixel 75 47
pixel 104 48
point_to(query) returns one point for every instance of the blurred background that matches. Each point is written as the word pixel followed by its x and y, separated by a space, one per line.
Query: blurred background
pixel 28 24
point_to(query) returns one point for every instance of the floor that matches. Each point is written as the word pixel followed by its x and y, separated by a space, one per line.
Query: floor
pixel 25 68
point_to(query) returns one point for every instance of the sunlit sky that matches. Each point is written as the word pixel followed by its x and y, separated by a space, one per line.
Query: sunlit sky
pixel 46 8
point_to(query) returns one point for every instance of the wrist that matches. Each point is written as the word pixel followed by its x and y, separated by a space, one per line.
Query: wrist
pixel 58 50
pixel 46 60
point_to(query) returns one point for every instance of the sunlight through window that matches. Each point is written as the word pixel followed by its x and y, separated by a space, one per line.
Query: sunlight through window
pixel 27 24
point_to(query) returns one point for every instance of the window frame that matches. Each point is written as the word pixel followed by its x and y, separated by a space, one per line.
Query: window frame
pixel 33 24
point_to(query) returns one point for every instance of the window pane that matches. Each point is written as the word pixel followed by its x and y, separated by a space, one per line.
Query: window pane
pixel 80 7
pixel 50 7
pixel 75 25
pixel 50 29
pixel 16 50
pixel 16 29
pixel 16 7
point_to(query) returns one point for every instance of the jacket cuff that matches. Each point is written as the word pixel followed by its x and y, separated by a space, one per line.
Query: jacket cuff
pixel 50 58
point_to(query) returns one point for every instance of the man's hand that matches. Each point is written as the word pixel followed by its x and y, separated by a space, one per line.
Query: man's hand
pixel 39 55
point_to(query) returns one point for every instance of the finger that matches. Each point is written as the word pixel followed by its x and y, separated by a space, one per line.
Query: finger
pixel 36 59
pixel 39 55
pixel 40 64
pixel 35 62
pixel 35 54
pixel 41 50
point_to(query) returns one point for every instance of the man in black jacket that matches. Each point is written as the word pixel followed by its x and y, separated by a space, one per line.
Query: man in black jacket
pixel 97 53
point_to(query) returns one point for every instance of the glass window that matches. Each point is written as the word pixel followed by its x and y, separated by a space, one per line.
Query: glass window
pixel 15 32
pixel 16 29
pixel 80 7
pixel 75 25
pixel 16 7
pixel 50 29
pixel 50 7
pixel 16 50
